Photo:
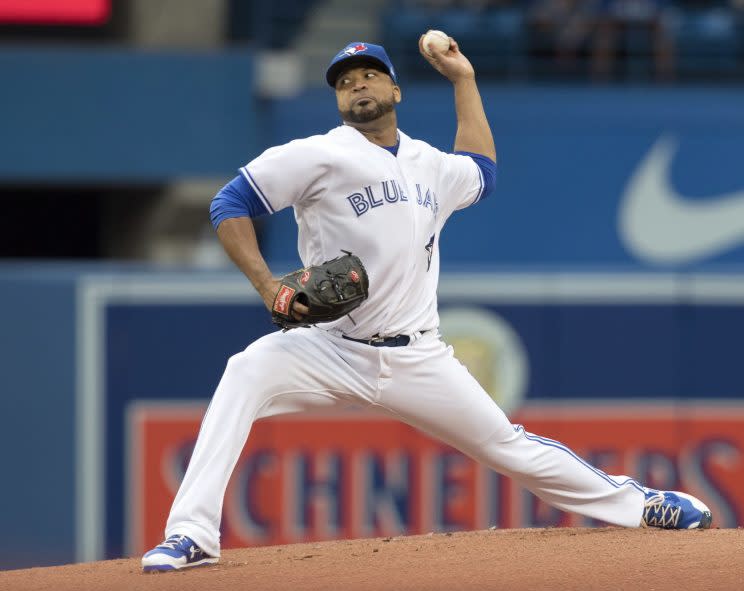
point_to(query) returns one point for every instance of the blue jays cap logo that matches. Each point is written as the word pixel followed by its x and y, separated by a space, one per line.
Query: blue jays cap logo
pixel 353 49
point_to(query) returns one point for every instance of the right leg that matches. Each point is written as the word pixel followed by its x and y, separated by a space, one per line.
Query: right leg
pixel 283 372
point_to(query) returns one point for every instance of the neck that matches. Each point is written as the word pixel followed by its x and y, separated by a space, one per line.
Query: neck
pixel 382 131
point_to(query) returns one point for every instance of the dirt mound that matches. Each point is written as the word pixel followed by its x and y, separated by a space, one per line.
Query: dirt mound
pixel 555 559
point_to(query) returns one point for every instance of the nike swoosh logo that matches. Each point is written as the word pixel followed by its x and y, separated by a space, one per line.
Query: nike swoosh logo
pixel 658 225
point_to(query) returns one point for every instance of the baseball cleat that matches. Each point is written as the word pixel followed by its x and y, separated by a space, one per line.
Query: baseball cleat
pixel 674 510
pixel 175 553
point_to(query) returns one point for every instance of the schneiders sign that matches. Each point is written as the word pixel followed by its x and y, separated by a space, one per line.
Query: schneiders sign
pixel 352 475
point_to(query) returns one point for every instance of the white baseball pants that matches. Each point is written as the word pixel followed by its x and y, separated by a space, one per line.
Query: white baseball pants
pixel 422 384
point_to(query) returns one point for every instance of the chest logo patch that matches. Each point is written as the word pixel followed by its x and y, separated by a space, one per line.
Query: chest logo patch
pixel 429 251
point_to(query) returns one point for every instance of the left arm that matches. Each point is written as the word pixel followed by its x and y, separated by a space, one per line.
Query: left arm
pixel 473 132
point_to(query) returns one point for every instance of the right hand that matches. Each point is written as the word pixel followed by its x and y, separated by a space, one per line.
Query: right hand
pixel 452 63
pixel 268 294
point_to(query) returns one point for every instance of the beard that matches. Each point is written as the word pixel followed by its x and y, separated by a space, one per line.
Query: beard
pixel 377 109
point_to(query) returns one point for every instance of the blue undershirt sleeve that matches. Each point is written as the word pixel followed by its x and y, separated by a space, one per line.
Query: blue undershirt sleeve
pixel 488 172
pixel 236 199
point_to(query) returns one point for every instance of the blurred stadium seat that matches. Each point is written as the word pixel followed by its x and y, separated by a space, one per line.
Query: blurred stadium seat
pixel 270 25
pixel 709 42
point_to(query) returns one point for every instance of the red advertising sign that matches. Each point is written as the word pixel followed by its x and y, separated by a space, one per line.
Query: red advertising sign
pixel 48 12
pixel 304 478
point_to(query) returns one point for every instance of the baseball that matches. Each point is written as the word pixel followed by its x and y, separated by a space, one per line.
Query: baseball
pixel 438 40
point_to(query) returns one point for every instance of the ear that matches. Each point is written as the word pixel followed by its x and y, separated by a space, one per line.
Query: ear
pixel 397 95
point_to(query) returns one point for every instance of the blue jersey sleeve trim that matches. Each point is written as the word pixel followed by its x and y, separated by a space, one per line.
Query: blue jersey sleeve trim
pixel 236 199
pixel 486 171
pixel 249 177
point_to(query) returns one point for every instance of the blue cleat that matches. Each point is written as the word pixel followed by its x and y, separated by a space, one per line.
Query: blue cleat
pixel 177 552
pixel 674 510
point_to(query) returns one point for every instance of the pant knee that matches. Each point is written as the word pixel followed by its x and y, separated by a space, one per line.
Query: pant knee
pixel 248 376
pixel 255 363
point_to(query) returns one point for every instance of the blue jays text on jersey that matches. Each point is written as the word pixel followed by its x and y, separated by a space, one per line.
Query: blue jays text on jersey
pixel 392 192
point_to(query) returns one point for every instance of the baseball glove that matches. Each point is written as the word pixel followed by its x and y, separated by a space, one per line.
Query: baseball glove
pixel 330 291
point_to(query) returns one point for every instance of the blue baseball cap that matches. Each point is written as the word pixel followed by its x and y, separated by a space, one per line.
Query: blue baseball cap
pixel 359 51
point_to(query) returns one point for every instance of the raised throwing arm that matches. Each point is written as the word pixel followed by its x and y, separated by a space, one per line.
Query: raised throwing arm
pixel 473 131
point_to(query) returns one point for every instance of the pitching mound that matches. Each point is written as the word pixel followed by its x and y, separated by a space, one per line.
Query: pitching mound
pixel 555 559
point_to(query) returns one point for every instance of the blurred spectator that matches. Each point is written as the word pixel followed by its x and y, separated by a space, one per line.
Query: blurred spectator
pixel 487 4
pixel 474 5
pixel 632 30
pixel 562 30
pixel 429 5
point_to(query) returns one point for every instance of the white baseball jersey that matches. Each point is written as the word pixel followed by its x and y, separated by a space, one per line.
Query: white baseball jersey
pixel 350 194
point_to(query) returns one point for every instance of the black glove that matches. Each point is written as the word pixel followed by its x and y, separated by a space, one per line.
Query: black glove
pixel 330 291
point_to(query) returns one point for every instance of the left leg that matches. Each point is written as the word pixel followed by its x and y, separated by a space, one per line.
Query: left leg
pixel 434 392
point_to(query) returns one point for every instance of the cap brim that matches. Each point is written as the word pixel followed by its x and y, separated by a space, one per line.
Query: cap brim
pixel 351 61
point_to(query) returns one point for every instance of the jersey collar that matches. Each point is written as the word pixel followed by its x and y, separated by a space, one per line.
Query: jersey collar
pixel 402 138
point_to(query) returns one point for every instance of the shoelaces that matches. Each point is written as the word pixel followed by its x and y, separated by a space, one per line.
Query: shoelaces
pixel 172 542
pixel 658 513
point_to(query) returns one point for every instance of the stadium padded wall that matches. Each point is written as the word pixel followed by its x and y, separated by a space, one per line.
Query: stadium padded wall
pixel 114 115
pixel 37 422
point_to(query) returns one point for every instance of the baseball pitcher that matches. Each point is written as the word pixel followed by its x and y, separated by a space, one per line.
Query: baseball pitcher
pixel 359 321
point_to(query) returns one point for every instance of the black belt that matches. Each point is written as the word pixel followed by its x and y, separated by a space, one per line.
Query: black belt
pixel 400 341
